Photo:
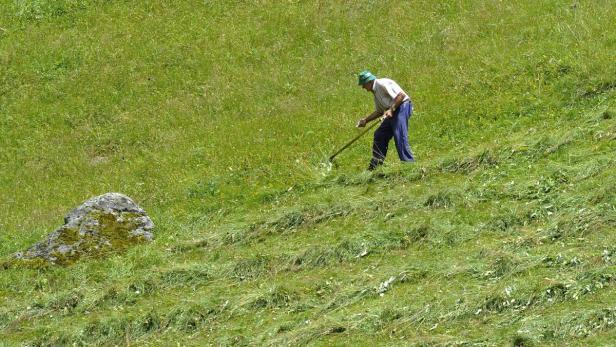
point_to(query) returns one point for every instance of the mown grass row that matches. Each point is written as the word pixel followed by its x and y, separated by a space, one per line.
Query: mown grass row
pixel 543 193
pixel 261 270
pixel 261 267
pixel 281 298
pixel 401 317
pixel 308 217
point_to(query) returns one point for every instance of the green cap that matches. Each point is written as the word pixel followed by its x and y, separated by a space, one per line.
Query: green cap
pixel 365 76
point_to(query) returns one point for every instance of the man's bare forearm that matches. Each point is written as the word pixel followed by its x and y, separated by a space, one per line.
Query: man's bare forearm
pixel 374 115
pixel 389 113
pixel 397 101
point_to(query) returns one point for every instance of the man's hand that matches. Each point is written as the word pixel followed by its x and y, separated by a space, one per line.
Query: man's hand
pixel 361 123
pixel 388 113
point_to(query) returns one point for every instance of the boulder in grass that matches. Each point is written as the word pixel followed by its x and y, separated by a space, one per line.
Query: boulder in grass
pixel 103 225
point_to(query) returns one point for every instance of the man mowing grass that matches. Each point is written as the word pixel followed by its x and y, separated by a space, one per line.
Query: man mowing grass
pixel 395 106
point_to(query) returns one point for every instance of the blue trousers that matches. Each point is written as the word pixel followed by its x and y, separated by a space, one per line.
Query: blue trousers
pixel 396 127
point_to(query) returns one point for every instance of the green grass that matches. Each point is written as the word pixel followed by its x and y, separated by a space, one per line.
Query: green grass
pixel 217 117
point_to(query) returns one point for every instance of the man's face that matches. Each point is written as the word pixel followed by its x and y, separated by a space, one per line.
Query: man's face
pixel 368 86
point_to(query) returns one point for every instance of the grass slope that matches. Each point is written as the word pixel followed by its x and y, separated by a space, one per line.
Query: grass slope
pixel 215 116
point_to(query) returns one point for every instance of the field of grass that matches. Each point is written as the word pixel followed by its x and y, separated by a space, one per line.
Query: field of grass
pixel 217 117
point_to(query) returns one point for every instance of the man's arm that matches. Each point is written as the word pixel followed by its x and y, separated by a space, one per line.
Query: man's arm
pixel 388 113
pixel 362 122
pixel 394 106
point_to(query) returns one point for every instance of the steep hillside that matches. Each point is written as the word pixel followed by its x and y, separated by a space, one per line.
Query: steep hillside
pixel 217 116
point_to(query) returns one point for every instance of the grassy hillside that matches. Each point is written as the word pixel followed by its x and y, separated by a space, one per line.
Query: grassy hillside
pixel 217 116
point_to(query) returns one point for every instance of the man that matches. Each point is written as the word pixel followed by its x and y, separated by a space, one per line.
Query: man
pixel 392 103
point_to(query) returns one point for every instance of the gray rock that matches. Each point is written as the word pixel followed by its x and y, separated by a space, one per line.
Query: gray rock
pixel 103 225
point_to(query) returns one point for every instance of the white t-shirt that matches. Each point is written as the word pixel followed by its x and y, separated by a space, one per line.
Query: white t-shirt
pixel 385 91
